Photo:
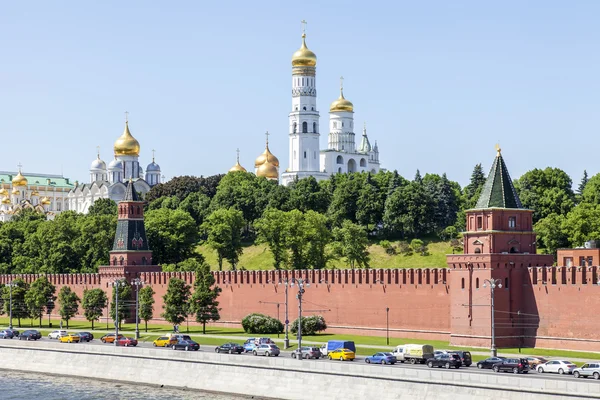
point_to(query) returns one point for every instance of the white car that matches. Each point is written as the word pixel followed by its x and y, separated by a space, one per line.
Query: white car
pixel 557 367
pixel 56 334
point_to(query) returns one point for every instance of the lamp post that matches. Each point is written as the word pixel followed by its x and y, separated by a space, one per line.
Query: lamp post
pixel 387 325
pixel 137 282
pixel 10 285
pixel 116 285
pixel 286 340
pixel 493 284
pixel 301 283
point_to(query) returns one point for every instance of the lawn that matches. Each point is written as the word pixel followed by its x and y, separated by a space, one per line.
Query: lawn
pixel 258 257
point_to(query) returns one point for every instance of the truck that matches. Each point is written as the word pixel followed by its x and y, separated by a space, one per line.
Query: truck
pixel 413 353
pixel 337 344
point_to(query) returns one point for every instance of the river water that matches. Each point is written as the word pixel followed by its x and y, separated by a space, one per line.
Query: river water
pixel 22 385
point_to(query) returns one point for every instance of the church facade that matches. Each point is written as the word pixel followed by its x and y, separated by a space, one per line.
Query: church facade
pixel 109 182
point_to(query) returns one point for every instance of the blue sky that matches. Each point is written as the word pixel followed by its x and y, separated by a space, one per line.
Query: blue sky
pixel 438 82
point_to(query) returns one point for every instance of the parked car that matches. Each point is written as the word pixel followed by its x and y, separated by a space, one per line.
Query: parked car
pixel 465 357
pixel 249 345
pixel 381 358
pixel 186 345
pixel 589 369
pixel 69 338
pixel 109 338
pixel 413 353
pixel 263 340
pixel 230 348
pixel 86 336
pixel 126 341
pixel 164 341
pixel 447 360
pixel 30 334
pixel 535 361
pixel 6 334
pixel 180 337
pixel 268 350
pixel 307 352
pixel 557 366
pixel 56 334
pixel 515 365
pixel 14 332
pixel 438 352
pixel 337 344
pixel 488 363
pixel 342 355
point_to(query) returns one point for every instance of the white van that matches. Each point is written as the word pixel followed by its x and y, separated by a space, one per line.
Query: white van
pixel 413 353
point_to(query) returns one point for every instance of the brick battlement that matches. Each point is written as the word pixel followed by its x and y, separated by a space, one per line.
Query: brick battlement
pixel 55 279
pixel 563 275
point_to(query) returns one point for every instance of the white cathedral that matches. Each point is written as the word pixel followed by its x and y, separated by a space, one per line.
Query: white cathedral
pixel 110 182
pixel 341 154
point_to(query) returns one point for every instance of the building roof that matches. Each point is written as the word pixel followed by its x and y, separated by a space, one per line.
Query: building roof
pixel 498 190
pixel 130 192
pixel 38 179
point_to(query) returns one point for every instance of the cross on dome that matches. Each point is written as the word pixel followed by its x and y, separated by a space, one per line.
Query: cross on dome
pixel 303 22
pixel 126 116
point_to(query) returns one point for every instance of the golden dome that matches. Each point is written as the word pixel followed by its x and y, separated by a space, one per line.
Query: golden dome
pixel 19 180
pixel 6 201
pixel 303 57
pixel 16 191
pixel 34 193
pixel 266 156
pixel 126 144
pixel 267 170
pixel 45 201
pixel 341 104
pixel 237 167
pixel 3 192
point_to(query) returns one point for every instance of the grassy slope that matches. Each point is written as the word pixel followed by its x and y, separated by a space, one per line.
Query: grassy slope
pixel 258 257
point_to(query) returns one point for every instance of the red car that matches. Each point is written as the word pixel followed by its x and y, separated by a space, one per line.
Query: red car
pixel 126 341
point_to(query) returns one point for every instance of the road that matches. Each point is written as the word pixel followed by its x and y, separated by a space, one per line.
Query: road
pixel 359 359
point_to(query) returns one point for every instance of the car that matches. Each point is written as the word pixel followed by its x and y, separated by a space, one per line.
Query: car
pixel 447 360
pixel 6 334
pixel 69 338
pixel 30 334
pixel 465 357
pixel 535 361
pixel 14 331
pixel 249 346
pixel 56 334
pixel 307 352
pixel 269 350
pixel 109 338
pixel 515 365
pixel 186 345
pixel 589 369
pixel 179 337
pixel 86 336
pixel 488 363
pixel 557 366
pixel 126 341
pixel 230 348
pixel 263 340
pixel 381 358
pixel 438 352
pixel 342 355
pixel 164 341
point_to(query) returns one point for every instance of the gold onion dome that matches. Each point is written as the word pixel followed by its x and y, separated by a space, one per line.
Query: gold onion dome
pixel 19 180
pixel 237 167
pixel 266 156
pixel 6 201
pixel 303 57
pixel 45 201
pixel 3 192
pixel 341 104
pixel 15 191
pixel 126 144
pixel 267 170
pixel 35 193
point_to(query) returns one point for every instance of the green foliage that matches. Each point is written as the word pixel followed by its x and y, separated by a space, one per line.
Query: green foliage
pixel 176 307
pixel 419 247
pixel 352 244
pixel 389 248
pixel 40 294
pixel 125 293
pixel 172 235
pixel 224 229
pixel 183 186
pixel 261 324
pixel 19 307
pixel 68 302
pixel 550 232
pixel 310 325
pixel 146 304
pixel 473 189
pixel 93 304
pixel 271 230
pixel 103 207
pixel 449 233
pixel 203 303
pixel 582 183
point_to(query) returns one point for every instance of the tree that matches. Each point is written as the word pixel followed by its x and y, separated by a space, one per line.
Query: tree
pixel 224 230
pixel 125 294
pixel 183 186
pixel 203 303
pixel 103 207
pixel 352 243
pixel 316 236
pixel 176 301
pixel 37 298
pixel 550 233
pixel 68 302
pixel 93 303
pixel 418 246
pixel 310 325
pixel 19 307
pixel 369 205
pixel 172 235
pixel 583 183
pixel 242 192
pixel 344 199
pixel 306 194
pixel 271 228
pixel 473 189
pixel 146 304
pixel 197 205
pixel 261 324
pixel 581 224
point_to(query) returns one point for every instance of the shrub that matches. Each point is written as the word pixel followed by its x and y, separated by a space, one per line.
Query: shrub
pixel 389 248
pixel 419 246
pixel 261 324
pixel 405 248
pixel 310 325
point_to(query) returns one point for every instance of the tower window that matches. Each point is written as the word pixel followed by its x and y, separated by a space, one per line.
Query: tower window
pixel 304 154
pixel 304 108
pixel 462 283
pixel 480 222
pixel 512 222
pixel 315 155
pixel 477 283
pixel 295 127
pixel 314 127
pixel 304 127
pixel 294 154
pixel 312 108
pixel 334 125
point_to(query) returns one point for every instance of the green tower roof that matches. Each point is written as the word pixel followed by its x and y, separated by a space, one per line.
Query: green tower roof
pixel 498 190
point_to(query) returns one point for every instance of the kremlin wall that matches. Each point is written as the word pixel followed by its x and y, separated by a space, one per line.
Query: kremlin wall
pixel 536 304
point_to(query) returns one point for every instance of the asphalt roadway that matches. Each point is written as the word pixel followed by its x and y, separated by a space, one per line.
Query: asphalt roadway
pixel 211 348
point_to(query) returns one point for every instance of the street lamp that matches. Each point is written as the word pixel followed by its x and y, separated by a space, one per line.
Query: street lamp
pixel 116 285
pixel 137 282
pixel 10 285
pixel 493 284
pixel 301 283
pixel 286 340
pixel 387 325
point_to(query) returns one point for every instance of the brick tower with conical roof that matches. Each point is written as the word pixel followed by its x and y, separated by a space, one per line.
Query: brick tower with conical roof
pixel 499 245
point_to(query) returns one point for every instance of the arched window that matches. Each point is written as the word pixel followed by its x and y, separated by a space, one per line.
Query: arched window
pixel 340 170
pixel 514 250
pixel 295 127
pixel 505 283
pixel 114 261
pixel 304 127
pixel 462 283
pixel 130 209
pixel 144 261
pixel 339 160
pixel 477 283
pixel 363 162
pixel 351 165
pixel 304 108
pixel 314 127
pixel 138 210
pixel 121 260
pixel 477 250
